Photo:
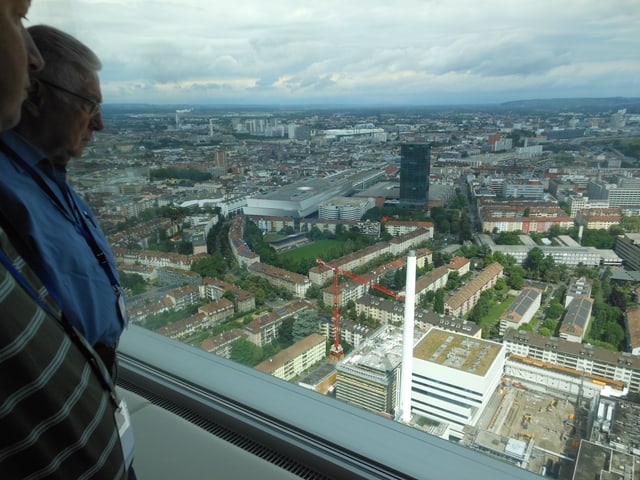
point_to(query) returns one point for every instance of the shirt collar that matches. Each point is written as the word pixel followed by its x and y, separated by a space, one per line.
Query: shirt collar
pixel 22 147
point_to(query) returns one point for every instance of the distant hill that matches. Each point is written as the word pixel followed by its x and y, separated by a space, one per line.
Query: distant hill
pixel 552 105
pixel 575 104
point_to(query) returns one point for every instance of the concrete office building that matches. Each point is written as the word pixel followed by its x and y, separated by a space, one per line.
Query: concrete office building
pixel 301 199
pixel 298 199
pixel 345 208
pixel 628 247
pixel 549 378
pixel 454 377
pixel 582 359
pixel 572 256
pixel 624 193
pixel 414 175
pixel 369 377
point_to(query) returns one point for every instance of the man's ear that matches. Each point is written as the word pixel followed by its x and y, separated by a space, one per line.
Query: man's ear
pixel 35 98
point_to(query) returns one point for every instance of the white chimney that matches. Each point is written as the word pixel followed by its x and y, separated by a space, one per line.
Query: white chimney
pixel 407 339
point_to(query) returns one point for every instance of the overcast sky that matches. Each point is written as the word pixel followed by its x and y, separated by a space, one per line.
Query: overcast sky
pixel 420 52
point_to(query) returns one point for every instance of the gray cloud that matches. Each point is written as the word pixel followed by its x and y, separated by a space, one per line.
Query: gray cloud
pixel 405 51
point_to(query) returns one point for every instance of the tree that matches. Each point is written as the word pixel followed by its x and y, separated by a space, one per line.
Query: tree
pixel 453 281
pixel 184 248
pixel 501 284
pixel 133 282
pixel 617 298
pixel 534 259
pixel 481 309
pixel 508 238
pixel 307 322
pixel 285 334
pixel 246 353
pixel 545 331
pixel 438 301
pixel 315 234
pixel 211 266
pixel 630 224
pixel 616 230
pixel 554 310
pixel 313 292
pixel 515 280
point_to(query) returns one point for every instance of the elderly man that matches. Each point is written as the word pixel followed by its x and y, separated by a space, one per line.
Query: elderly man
pixel 61 238
pixel 56 404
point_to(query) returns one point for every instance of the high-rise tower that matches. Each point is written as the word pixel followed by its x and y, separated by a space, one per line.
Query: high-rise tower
pixel 414 175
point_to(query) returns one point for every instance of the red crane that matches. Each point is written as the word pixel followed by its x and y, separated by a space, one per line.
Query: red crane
pixel 336 352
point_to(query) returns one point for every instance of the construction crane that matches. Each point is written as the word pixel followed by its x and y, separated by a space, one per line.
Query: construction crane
pixel 336 352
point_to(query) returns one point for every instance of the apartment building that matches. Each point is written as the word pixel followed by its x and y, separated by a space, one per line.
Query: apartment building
pixel 388 311
pixel 241 251
pixel 466 297
pixel 521 310
pixel 185 327
pixel 218 311
pixel 214 289
pixel 396 227
pixel 293 282
pixel 266 327
pixel 294 360
pixel 596 219
pixel 320 274
pixel 222 343
pixel 184 296
pixel 632 327
pixel 576 319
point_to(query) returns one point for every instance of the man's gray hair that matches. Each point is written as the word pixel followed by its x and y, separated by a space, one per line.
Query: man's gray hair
pixel 66 59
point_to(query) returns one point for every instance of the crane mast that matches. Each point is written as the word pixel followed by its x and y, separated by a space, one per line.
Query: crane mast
pixel 336 352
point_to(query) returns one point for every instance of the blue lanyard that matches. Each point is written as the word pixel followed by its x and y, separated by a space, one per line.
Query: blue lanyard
pixel 26 286
pixel 77 338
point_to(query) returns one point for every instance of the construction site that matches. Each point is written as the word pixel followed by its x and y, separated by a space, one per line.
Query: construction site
pixel 537 431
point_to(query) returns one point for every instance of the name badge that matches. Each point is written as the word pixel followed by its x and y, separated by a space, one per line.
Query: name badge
pixel 122 307
pixel 127 442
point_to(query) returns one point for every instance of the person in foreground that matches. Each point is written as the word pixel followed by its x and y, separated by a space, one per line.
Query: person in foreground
pixel 57 403
pixel 61 238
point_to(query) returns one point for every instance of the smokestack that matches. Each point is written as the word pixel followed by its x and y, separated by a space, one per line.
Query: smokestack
pixel 580 232
pixel 407 339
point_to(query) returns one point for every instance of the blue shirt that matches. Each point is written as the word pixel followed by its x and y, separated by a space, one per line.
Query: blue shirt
pixel 50 226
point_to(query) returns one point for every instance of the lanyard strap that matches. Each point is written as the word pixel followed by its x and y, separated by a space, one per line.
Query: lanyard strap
pixel 85 231
pixel 86 349
pixel 80 225
pixel 26 286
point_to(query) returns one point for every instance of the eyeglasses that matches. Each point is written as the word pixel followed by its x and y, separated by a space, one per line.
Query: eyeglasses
pixel 95 107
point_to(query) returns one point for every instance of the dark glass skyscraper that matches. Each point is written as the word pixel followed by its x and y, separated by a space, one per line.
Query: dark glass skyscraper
pixel 414 175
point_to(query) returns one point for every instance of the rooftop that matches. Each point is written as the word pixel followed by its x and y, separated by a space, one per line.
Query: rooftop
pixel 521 304
pixel 460 352
pixel 379 355
pixel 599 461
pixel 572 348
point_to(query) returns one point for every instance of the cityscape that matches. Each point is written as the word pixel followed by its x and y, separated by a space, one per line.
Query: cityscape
pixel 278 238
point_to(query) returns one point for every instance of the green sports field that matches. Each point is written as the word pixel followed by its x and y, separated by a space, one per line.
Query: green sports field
pixel 325 249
